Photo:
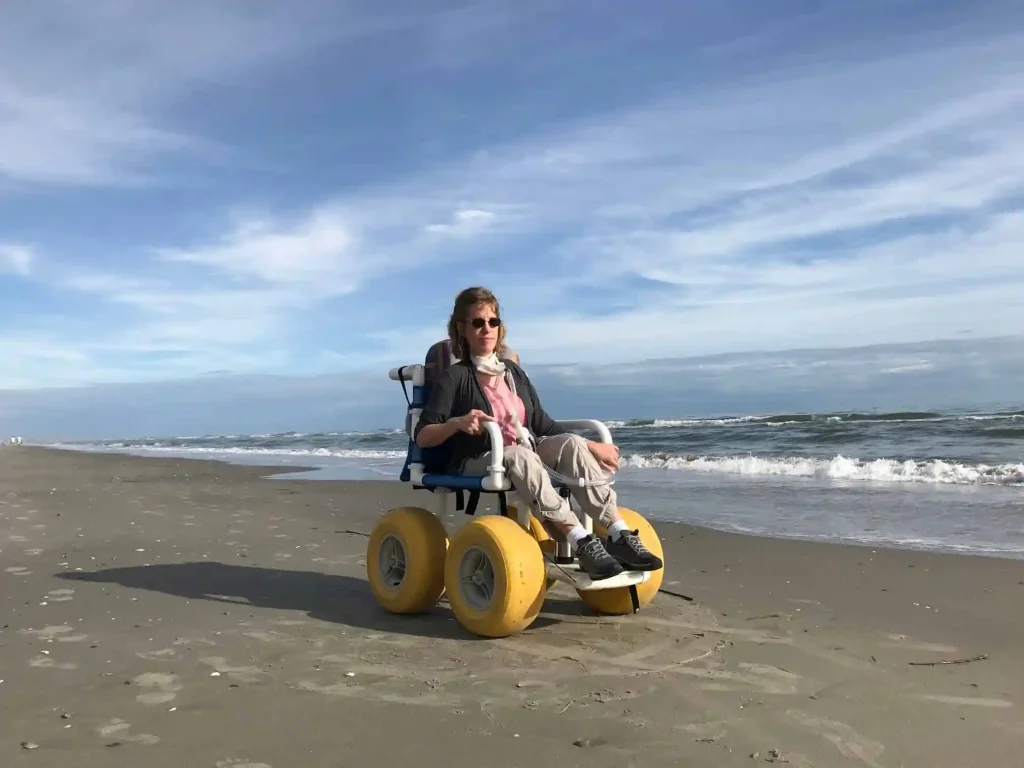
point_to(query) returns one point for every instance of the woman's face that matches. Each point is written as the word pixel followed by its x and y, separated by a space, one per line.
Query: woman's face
pixel 481 328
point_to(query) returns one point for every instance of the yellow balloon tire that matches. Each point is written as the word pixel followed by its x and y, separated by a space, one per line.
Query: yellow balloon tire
pixel 616 602
pixel 417 584
pixel 507 558
pixel 540 535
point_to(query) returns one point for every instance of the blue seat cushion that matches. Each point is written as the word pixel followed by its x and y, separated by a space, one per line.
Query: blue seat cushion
pixel 454 482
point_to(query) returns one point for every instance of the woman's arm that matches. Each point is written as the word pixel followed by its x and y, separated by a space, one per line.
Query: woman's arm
pixel 430 435
pixel 436 422
pixel 434 426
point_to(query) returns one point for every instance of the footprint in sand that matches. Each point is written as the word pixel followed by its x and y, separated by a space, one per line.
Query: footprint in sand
pixel 60 595
pixel 194 641
pixel 163 654
pixel 968 701
pixel 44 661
pixel 164 687
pixel 902 641
pixel 269 637
pixel 851 744
pixel 244 674
pixel 231 762
pixel 773 679
pixel 714 729
pixel 770 680
pixel 119 730
pixel 72 638
pixel 18 571
pixel 48 633
pixel 60 633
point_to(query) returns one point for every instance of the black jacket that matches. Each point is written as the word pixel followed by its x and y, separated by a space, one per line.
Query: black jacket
pixel 457 391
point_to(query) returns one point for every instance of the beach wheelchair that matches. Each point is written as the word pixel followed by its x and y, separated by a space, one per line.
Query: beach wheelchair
pixel 497 569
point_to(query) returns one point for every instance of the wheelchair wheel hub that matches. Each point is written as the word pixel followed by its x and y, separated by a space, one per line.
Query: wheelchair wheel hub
pixel 476 575
pixel 391 561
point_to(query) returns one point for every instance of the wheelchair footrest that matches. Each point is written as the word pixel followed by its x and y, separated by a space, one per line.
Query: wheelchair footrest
pixel 575 577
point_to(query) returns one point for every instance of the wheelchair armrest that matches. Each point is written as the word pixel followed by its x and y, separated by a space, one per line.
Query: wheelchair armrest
pixel 495 479
pixel 604 434
pixel 410 373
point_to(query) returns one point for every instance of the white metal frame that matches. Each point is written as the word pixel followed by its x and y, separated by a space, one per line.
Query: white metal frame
pixel 495 480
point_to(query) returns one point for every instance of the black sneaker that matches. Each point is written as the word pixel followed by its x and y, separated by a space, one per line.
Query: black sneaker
pixel 631 552
pixel 595 560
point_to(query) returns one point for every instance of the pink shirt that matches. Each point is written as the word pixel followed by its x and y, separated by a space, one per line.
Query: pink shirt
pixel 502 402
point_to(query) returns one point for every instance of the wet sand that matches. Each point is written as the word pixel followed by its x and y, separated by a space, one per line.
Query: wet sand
pixel 168 612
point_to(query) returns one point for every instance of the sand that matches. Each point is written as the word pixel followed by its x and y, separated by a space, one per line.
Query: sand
pixel 167 612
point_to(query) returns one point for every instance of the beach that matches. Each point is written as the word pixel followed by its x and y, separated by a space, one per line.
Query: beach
pixel 172 611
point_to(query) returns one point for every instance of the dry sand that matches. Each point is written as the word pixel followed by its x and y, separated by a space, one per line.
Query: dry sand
pixel 164 612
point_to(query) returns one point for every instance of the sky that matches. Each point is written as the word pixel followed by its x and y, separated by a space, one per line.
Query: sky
pixel 252 202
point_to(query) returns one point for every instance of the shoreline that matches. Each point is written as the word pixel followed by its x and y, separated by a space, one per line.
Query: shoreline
pixel 295 472
pixel 170 611
pixel 785 557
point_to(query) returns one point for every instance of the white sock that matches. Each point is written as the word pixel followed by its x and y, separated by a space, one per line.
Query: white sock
pixel 616 529
pixel 576 535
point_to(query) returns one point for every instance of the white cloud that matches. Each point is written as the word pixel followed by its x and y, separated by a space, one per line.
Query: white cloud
pixel 16 259
pixel 86 89
pixel 775 220
pixel 318 253
pixel 53 140
pixel 464 223
pixel 36 360
pixel 835 199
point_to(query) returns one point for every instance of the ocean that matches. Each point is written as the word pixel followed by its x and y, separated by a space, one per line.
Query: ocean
pixel 949 481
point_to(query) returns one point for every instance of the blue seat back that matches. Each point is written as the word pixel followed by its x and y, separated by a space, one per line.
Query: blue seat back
pixel 435 459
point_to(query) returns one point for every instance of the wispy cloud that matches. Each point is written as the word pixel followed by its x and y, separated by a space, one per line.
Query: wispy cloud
pixel 772 221
pixel 87 91
pixel 16 259
pixel 464 223
pixel 318 253
pixel 834 186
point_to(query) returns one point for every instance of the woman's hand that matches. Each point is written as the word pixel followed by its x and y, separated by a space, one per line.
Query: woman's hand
pixel 473 422
pixel 435 434
pixel 607 455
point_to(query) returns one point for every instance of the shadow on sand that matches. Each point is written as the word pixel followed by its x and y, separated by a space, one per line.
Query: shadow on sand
pixel 328 597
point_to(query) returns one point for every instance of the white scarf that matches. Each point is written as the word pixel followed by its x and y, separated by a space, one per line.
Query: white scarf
pixel 489 365
pixel 492 366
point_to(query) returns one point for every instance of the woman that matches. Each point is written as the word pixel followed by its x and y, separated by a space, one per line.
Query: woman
pixel 481 387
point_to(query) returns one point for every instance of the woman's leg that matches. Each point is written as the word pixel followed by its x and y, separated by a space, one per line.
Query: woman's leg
pixel 568 455
pixel 530 480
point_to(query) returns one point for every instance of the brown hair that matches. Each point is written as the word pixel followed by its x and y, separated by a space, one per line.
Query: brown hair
pixel 467 299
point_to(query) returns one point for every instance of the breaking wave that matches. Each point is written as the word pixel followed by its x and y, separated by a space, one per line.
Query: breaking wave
pixel 840 468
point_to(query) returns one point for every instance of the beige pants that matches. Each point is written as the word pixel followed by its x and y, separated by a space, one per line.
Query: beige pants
pixel 566 454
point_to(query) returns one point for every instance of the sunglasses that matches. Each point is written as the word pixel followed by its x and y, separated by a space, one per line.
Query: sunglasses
pixel 479 322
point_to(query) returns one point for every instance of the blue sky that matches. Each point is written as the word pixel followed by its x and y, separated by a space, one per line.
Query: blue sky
pixel 300 189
